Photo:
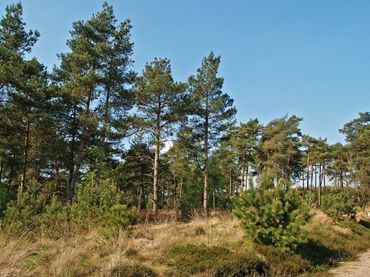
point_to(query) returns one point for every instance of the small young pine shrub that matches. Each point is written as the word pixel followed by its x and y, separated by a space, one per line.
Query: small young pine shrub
pixel 271 215
pixel 100 204
pixel 339 203
pixel 23 213
pixel 96 205
pixel 5 197
pixel 310 198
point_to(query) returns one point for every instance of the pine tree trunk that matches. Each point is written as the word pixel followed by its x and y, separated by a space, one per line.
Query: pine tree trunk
pixel 319 188
pixel 79 156
pixel 230 182
pixel 1 170
pixel 25 157
pixel 206 170
pixel 139 200
pixel 73 145
pixel 308 170
pixel 181 188
pixel 246 177
pixel 156 165
pixel 104 134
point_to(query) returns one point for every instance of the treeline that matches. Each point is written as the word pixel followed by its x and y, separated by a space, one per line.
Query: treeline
pixel 164 143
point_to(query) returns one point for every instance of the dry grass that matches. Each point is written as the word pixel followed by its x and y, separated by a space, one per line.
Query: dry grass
pixel 94 254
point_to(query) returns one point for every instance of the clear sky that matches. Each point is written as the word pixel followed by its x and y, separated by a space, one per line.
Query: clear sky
pixel 309 58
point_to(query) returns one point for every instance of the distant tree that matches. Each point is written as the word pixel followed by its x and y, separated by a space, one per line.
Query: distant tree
pixel 280 155
pixel 244 141
pixel 213 110
pixel 357 133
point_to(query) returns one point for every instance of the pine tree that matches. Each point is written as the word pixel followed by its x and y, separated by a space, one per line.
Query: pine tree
pixel 213 111
pixel 158 99
pixel 95 73
pixel 280 154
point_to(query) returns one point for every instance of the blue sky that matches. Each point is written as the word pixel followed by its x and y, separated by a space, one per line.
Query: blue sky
pixel 309 58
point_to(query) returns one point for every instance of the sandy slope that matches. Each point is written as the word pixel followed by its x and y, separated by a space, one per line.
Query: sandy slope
pixel 358 268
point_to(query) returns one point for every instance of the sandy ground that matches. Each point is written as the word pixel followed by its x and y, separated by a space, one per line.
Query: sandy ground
pixel 358 268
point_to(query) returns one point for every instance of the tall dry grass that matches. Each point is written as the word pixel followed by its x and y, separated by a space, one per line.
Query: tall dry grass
pixel 95 254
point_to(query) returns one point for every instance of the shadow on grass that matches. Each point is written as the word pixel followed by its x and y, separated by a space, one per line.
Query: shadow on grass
pixel 319 254
pixel 365 223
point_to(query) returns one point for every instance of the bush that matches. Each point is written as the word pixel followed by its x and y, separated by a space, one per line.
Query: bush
pixel 133 270
pixel 101 204
pixel 310 198
pixel 241 266
pixel 282 263
pixel 5 197
pixel 339 203
pixel 22 214
pixel 191 259
pixel 271 215
pixel 96 205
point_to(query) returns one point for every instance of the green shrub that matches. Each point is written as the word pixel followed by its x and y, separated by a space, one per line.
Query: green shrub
pixel 133 270
pixel 96 205
pixel 22 214
pixel 283 263
pixel 53 221
pixel 241 266
pixel 100 204
pixel 338 203
pixel 310 198
pixel 190 259
pixel 5 197
pixel 271 215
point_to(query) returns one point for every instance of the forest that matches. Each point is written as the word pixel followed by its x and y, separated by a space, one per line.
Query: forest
pixel 93 145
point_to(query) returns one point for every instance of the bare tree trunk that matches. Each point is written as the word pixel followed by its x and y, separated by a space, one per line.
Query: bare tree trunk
pixel 79 156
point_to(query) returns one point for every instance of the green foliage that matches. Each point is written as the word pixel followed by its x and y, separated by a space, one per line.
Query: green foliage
pixel 283 263
pixel 102 204
pixel 5 197
pixel 310 198
pixel 338 203
pixel 191 259
pixel 133 270
pixel 23 213
pixel 97 204
pixel 272 215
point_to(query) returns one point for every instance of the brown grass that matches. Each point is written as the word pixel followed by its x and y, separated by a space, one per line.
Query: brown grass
pixel 94 254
